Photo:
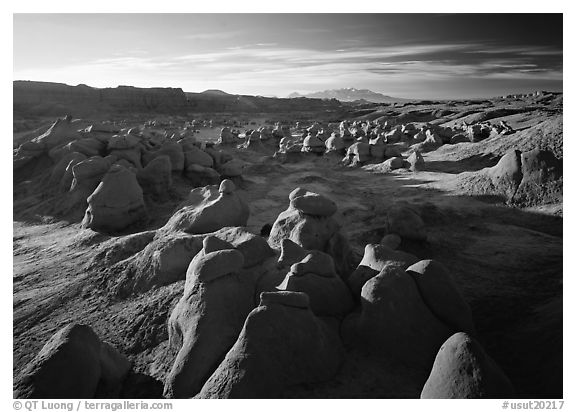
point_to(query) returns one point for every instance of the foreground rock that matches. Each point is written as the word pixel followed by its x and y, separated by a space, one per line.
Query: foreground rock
pixel 208 318
pixel 281 344
pixel 74 364
pixel 463 370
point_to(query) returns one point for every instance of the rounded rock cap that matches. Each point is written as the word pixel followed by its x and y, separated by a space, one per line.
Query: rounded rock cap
pixel 227 186
pixel 286 298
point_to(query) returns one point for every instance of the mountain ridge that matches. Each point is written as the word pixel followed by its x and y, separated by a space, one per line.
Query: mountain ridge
pixel 350 94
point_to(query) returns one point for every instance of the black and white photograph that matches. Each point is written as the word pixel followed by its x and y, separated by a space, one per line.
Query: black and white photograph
pixel 297 206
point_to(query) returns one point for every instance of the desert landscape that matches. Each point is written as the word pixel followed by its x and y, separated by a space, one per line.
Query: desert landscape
pixel 345 244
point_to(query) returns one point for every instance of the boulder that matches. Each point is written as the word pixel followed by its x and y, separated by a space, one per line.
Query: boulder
pixel 207 320
pixel 394 323
pixel 201 176
pixel 376 259
pixel 211 209
pixel 253 247
pixel 59 169
pixel 405 222
pixel 67 367
pixel 334 144
pixel 316 276
pixel 232 168
pixel 156 177
pixel 116 203
pixel 463 370
pixel 171 149
pixel 196 156
pixel 282 344
pixel 442 296
pixel 416 161
pixel 313 204
pixel 541 178
pixel 506 175
pixel 313 232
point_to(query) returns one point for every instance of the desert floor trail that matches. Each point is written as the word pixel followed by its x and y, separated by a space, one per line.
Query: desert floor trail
pixel 514 295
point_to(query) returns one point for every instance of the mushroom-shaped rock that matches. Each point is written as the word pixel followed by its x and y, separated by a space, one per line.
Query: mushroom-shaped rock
pixel 395 323
pixel 156 177
pixel 358 153
pixel 197 156
pixel 226 136
pixel 314 204
pixel 405 222
pixel 290 253
pixel 116 203
pixel 416 161
pixel 171 149
pixel 313 144
pixel 253 247
pixel 208 318
pixel 281 344
pixel 441 294
pixel 376 259
pixel 201 176
pixel 334 144
pixel 88 173
pixel 541 178
pixel 232 168
pixel 315 275
pixel 67 366
pixel 313 232
pixel 209 211
pixel 463 370
pixel 506 175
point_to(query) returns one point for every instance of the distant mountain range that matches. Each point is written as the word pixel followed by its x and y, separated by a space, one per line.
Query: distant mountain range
pixel 350 95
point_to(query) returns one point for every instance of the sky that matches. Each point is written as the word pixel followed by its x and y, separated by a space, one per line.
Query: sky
pixel 402 55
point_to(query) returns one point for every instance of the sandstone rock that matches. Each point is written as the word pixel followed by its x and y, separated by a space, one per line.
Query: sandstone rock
pixel 391 241
pixel 171 149
pixel 290 253
pixel 281 344
pixel 314 204
pixel 334 144
pixel 376 259
pixel 59 169
pixel 507 174
pixel 156 177
pixel 208 214
pixel 541 178
pixel 116 203
pixel 462 370
pixel 198 157
pixel 67 367
pixel 405 222
pixel 442 296
pixel 394 322
pixel 416 161
pixel 207 320
pixel 253 247
pixel 316 276
pixel 201 176
pixel 232 168
pixel 114 368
